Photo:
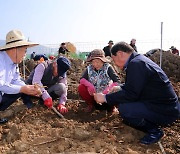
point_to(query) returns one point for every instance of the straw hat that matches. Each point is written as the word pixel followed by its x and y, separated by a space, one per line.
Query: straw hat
pixel 16 39
pixel 97 54
pixel 70 47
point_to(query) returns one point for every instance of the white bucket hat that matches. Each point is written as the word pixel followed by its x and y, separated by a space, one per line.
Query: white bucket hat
pixel 16 39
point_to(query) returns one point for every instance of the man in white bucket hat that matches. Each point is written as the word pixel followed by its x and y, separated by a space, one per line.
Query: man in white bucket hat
pixel 11 85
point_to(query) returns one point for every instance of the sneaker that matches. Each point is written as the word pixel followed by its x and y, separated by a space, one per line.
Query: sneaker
pixel 152 136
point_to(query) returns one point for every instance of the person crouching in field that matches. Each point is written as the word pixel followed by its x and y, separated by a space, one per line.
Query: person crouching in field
pixel 51 77
pixel 11 85
pixel 98 77
pixel 147 100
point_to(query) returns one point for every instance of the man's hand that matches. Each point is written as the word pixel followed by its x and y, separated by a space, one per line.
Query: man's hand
pixel 48 102
pixel 30 90
pixel 114 89
pixel 99 98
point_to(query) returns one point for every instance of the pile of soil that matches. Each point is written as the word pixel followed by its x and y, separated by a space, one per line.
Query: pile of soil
pixel 171 66
pixel 40 130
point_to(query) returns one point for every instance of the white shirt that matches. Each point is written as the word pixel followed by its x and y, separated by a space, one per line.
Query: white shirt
pixel 10 79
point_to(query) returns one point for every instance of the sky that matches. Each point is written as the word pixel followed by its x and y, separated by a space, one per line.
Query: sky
pixel 94 21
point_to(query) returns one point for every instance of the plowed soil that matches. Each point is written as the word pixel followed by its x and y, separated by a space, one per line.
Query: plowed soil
pixel 40 130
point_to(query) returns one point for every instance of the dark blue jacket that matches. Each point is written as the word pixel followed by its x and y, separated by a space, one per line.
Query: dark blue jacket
pixel 146 82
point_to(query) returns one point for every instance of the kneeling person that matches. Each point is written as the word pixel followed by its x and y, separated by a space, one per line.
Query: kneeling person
pixel 99 76
pixel 147 100
pixel 51 76
pixel 12 86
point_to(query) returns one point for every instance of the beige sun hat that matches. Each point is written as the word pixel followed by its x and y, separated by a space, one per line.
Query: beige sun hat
pixel 97 54
pixel 16 39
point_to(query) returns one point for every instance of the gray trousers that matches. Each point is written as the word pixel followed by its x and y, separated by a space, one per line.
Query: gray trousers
pixel 58 90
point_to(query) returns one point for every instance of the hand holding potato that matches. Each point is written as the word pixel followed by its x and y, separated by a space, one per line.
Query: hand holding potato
pixel 37 88
pixel 99 98
pixel 114 89
pixel 31 90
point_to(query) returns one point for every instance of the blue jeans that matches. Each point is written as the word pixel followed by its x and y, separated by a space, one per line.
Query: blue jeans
pixel 135 112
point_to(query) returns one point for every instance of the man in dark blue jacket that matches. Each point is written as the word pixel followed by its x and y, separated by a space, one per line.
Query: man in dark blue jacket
pixel 147 100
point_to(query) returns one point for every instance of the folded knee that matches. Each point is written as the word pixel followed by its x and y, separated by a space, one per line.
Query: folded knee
pixel 60 89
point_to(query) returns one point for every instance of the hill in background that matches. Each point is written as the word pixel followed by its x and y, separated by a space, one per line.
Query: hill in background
pixel 39 49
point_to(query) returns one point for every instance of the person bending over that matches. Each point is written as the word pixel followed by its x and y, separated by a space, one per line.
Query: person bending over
pixel 147 100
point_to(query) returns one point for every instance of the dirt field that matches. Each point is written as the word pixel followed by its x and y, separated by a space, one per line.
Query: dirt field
pixel 40 130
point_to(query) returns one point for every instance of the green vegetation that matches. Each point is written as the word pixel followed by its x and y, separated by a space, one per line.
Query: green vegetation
pixel 81 55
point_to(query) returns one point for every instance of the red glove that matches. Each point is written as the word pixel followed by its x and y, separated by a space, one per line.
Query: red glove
pixel 62 109
pixel 48 102
pixel 108 88
pixel 90 86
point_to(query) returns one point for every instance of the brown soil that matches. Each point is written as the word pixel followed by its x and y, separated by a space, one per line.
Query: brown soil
pixel 40 130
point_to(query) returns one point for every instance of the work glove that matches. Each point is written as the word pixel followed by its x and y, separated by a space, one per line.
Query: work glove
pixel 110 87
pixel 62 109
pixel 90 86
pixel 48 102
